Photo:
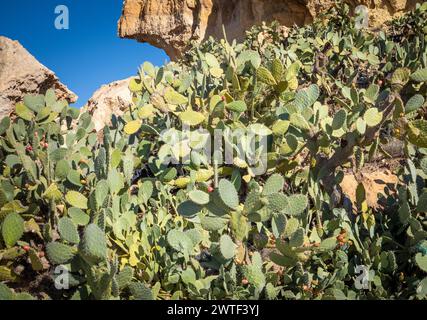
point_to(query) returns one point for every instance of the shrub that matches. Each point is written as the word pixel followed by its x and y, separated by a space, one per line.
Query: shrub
pixel 317 101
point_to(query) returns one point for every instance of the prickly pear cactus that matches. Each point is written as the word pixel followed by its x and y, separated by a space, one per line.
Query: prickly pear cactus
pixel 149 208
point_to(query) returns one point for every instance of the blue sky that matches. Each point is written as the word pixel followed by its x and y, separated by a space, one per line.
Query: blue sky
pixel 87 55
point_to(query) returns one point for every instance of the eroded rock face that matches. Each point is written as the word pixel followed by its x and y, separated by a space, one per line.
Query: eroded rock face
pixel 172 24
pixel 113 98
pixel 22 74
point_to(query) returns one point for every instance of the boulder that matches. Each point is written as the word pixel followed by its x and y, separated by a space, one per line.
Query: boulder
pixel 113 98
pixel 21 74
pixel 173 24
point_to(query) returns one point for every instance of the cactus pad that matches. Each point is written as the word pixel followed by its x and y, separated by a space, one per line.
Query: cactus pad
pixel 297 203
pixel 228 194
pixel 12 229
pixel 60 253
pixel 265 76
pixel 189 209
pixel 227 247
pixel 68 230
pixel 273 184
pixel 199 197
pixel 93 245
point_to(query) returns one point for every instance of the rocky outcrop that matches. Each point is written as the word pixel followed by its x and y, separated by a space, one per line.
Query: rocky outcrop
pixel 113 98
pixel 173 24
pixel 22 74
pixel 377 184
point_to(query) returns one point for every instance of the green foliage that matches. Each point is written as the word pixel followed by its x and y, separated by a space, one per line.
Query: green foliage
pixel 227 247
pixel 327 97
pixel 93 244
pixel 68 230
pixel 274 184
pixel 76 199
pixel 228 194
pixel 199 197
pixel 59 253
pixel 12 229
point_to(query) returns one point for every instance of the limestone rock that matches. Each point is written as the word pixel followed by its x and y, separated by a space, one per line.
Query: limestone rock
pixel 113 98
pixel 22 74
pixel 377 184
pixel 172 24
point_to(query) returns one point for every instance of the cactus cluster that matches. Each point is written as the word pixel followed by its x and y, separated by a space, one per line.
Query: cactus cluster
pixel 132 213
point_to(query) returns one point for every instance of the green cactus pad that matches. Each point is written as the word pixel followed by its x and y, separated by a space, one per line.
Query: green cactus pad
pixel 189 209
pixel 277 202
pixel 35 103
pixel 6 293
pixel 265 76
pixel 388 262
pixel 140 291
pixel 59 253
pixel 192 118
pixel 373 117
pixel 68 230
pixel 35 260
pixel 261 215
pixel 194 235
pixel 12 229
pixel 371 93
pixel 239 225
pixel 417 133
pixel 236 106
pixel 339 120
pixel 199 197
pixel 216 206
pixel 291 226
pixel 361 126
pixel 146 190
pixel 421 260
pixel 52 193
pixel 23 296
pixel 400 77
pixel 115 291
pixel 228 194
pixel 305 98
pixel 124 277
pixel 179 241
pixel 175 98
pixel 255 275
pixel 278 224
pixel 328 244
pixel 253 201
pixel 297 238
pixel 297 203
pixel 414 103
pixel 79 217
pixel 420 75
pixel 227 247
pixel 23 112
pixel 299 122
pixel 277 69
pixel 93 245
pixel 274 184
pixel 286 258
pixel 76 199
pixel 101 192
pixel 280 127
pixel 213 223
